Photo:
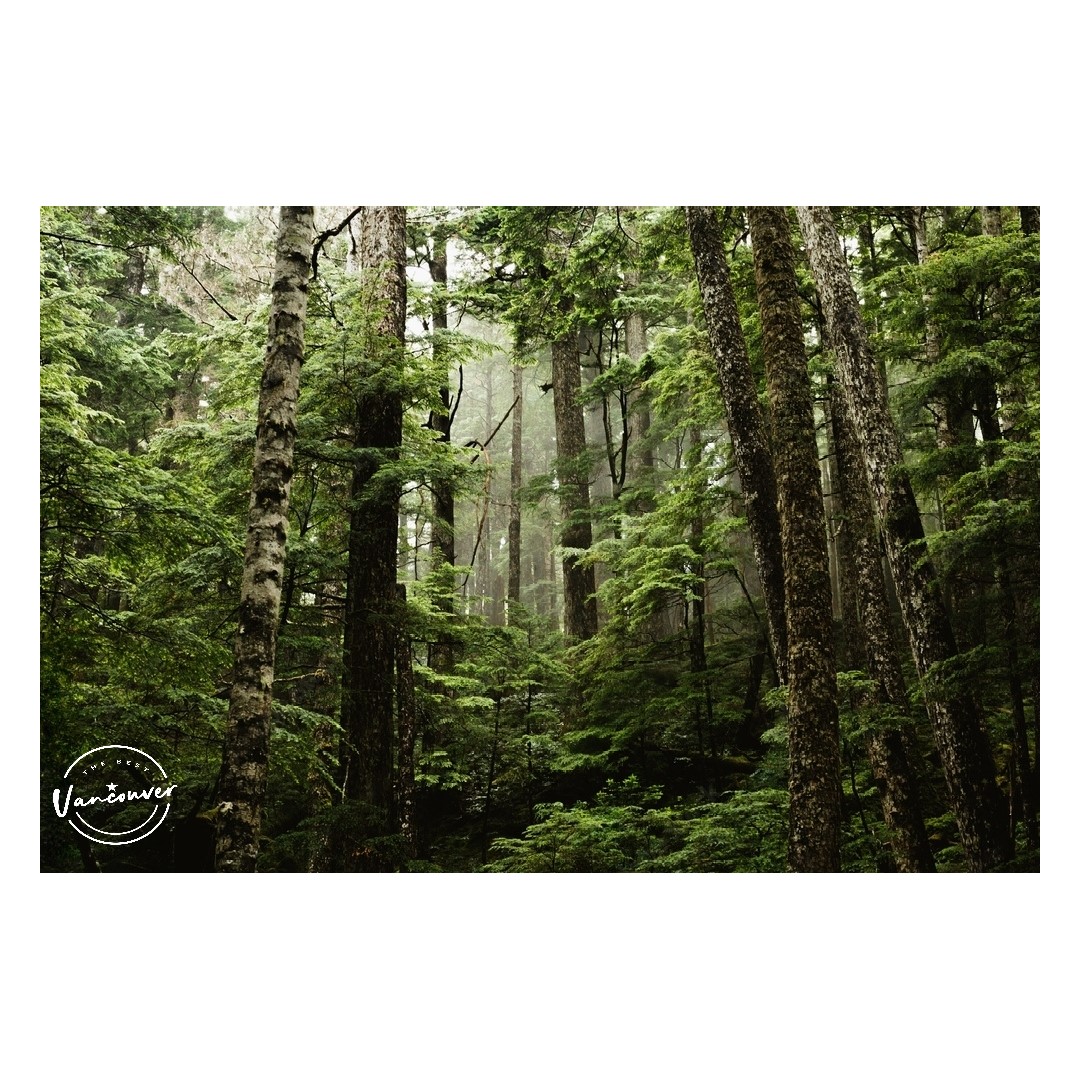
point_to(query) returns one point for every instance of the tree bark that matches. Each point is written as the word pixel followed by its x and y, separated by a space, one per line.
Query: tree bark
pixel 967 761
pixel 813 719
pixel 247 743
pixel 579 582
pixel 749 440
pixel 371 609
pixel 889 752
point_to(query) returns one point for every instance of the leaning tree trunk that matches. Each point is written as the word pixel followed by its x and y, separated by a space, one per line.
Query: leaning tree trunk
pixel 371 607
pixel 890 753
pixel 813 719
pixel 745 424
pixel 579 581
pixel 966 757
pixel 247 743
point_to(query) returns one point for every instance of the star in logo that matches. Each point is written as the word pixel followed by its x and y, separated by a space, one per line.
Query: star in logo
pixel 111 787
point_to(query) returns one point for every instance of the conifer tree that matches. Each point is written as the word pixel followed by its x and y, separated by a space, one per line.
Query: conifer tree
pixel 813 720
pixel 965 750
pixel 372 608
pixel 247 747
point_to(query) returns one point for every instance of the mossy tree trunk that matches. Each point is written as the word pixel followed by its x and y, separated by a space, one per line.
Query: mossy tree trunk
pixel 890 754
pixel 966 757
pixel 247 743
pixel 371 603
pixel 749 439
pixel 813 719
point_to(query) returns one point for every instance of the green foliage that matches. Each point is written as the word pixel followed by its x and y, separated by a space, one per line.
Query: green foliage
pixel 657 746
pixel 627 832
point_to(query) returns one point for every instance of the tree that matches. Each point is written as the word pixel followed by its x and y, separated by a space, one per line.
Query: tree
pixel 965 751
pixel 579 576
pixel 371 602
pixel 749 440
pixel 813 720
pixel 871 644
pixel 247 745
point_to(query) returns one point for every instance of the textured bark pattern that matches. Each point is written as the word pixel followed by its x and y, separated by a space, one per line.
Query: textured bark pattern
pixel 851 650
pixel 247 745
pixel 813 720
pixel 513 587
pixel 371 608
pixel 991 220
pixel 579 582
pixel 891 759
pixel 965 750
pixel 745 424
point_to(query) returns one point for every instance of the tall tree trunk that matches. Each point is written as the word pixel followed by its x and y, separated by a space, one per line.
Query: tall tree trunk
pixel 579 581
pixel 991 220
pixel 371 607
pixel 890 754
pixel 442 532
pixel 247 743
pixel 813 719
pixel 513 588
pixel 965 750
pixel 636 347
pixel 749 440
pixel 443 527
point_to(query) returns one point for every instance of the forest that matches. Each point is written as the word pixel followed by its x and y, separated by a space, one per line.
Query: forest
pixel 522 539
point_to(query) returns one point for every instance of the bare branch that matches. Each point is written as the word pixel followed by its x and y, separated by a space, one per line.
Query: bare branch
pixel 324 236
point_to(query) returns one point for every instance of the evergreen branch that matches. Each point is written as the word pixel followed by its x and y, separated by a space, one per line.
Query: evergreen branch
pixel 92 243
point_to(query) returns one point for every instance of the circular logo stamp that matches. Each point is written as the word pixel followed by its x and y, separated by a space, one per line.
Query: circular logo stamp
pixel 114 795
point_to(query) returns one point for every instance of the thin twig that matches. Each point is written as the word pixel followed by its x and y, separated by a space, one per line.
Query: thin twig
pixel 483 446
pixel 323 237
pixel 207 291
